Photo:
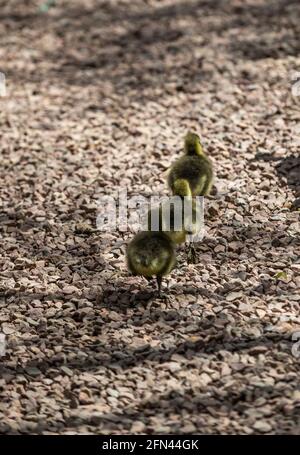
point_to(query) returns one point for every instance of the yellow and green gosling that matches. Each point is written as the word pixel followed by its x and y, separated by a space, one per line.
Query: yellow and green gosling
pixel 192 174
pixel 151 254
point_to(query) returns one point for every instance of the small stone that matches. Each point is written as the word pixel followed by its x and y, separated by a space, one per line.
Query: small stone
pixel 205 379
pixel 219 249
pixel 260 313
pixel 8 329
pixel 234 296
pixel 244 307
pixel 163 429
pixel 85 398
pixel 113 392
pixel 33 371
pixel 32 322
pixel 137 427
pixel 67 371
pixel 188 428
pixel 262 427
pixel 225 371
pixel 296 395
pixel 69 289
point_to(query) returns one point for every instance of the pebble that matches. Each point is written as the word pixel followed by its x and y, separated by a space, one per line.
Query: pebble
pixel 262 427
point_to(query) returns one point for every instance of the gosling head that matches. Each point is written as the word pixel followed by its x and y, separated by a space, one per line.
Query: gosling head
pixel 192 144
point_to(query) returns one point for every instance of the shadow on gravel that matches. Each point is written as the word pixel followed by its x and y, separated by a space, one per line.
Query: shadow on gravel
pixel 119 298
pixel 132 48
pixel 126 47
pixel 262 20
pixel 122 356
pixel 288 171
pixel 187 403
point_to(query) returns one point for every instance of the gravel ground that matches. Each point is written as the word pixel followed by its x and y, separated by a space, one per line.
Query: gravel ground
pixel 99 97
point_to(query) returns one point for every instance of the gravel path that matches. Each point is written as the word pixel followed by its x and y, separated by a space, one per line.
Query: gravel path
pixel 99 97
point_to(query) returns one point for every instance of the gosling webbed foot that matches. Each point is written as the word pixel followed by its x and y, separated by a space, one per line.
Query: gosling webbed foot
pixel 161 295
